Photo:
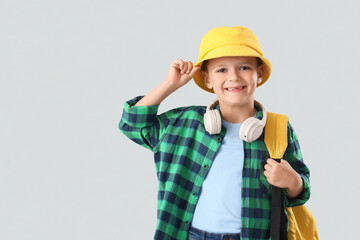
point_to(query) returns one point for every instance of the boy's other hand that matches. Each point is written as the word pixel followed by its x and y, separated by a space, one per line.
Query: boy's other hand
pixel 282 175
pixel 180 73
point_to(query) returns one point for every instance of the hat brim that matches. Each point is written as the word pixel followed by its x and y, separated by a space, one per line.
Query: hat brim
pixel 229 51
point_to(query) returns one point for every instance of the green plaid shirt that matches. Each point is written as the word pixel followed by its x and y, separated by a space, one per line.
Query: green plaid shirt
pixel 183 153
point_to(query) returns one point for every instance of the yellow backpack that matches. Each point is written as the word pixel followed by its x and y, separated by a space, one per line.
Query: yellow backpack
pixel 302 224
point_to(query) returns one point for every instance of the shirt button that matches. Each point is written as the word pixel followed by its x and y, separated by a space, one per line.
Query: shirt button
pixel 205 166
pixel 195 194
pixel 219 139
pixel 187 222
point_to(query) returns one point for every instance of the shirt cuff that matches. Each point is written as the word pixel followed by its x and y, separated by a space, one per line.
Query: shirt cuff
pixel 139 116
pixel 302 198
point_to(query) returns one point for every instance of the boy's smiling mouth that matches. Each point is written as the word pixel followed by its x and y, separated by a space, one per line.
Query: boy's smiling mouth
pixel 235 89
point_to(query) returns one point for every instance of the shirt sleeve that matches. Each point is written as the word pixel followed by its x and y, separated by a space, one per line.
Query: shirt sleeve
pixel 142 124
pixel 294 157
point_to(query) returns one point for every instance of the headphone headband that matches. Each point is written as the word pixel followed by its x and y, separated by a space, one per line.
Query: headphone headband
pixel 263 120
pixel 214 103
pixel 250 130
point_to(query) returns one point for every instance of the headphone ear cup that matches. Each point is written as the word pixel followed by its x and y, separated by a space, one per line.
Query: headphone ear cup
pixel 251 129
pixel 212 121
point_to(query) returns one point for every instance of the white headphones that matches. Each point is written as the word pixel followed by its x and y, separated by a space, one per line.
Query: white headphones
pixel 250 129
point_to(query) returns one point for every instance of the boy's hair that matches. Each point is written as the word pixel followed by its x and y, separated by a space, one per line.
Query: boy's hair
pixel 206 62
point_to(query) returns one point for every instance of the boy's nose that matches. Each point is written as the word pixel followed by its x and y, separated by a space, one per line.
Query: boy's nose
pixel 234 75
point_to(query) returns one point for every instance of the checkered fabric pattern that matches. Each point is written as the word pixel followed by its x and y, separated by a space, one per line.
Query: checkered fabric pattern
pixel 183 154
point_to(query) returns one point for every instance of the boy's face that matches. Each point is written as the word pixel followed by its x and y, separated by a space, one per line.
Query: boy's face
pixel 233 79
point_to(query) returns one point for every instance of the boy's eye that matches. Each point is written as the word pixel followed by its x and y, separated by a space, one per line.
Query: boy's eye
pixel 241 68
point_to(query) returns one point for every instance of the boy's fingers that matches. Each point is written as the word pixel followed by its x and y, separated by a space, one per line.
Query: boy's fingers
pixel 268 177
pixel 271 162
pixel 184 68
pixel 284 162
pixel 189 67
pixel 267 167
pixel 193 71
pixel 181 64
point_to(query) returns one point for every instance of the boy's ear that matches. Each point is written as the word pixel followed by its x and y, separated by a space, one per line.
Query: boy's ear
pixel 260 73
pixel 207 82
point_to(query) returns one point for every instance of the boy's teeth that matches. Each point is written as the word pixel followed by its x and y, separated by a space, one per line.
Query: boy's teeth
pixel 234 88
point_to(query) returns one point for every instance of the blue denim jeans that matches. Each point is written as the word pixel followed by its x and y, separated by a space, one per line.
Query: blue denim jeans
pixel 197 234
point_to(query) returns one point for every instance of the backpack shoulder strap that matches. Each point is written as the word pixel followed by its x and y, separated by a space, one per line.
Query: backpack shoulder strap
pixel 276 134
pixel 276 143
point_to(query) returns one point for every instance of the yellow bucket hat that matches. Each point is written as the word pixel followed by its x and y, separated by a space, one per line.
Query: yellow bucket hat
pixel 226 42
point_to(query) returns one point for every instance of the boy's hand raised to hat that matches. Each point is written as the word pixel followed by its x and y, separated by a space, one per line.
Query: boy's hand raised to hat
pixel 180 73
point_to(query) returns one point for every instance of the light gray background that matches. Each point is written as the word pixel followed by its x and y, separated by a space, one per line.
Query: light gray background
pixel 67 68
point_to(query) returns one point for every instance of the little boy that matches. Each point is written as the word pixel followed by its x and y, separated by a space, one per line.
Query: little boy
pixel 214 170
